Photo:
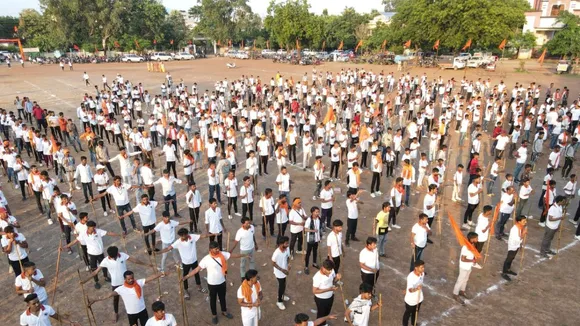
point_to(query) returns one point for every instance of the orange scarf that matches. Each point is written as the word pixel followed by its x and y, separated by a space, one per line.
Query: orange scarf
pixel 135 286
pixel 222 261
pixel 247 290
pixel 407 172
pixel 284 207
pixel 197 145
pixel 379 158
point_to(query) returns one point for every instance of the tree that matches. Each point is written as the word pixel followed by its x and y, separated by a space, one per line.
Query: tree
pixel 174 28
pixel 486 22
pixel 219 19
pixel 287 22
pixel 525 40
pixel 36 30
pixel 566 42
pixel 7 24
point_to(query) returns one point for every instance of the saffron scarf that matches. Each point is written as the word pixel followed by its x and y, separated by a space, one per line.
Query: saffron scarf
pixel 136 287
pixel 247 290
pixel 222 261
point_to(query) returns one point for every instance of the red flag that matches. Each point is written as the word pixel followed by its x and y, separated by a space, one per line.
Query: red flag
pixel 407 44
pixel 467 45
pixel 341 45
pixel 117 44
pixel 15 29
pixel 358 45
pixel 171 42
pixel 154 41
pixel 502 44
pixel 461 238
pixel 436 45
pixel 76 47
pixel 542 57
pixel 137 44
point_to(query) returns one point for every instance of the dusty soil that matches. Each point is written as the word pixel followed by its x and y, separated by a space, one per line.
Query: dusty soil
pixel 543 294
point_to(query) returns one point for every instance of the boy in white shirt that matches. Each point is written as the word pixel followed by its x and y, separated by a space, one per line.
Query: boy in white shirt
pixel 515 241
pixel 250 298
pixel 160 318
pixel 359 311
pixel 280 259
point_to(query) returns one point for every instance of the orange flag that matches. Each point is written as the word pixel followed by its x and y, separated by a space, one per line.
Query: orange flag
pixel 219 43
pixel 542 57
pixel 364 133
pixel 494 219
pixel 323 45
pixel 171 42
pixel 359 44
pixel 341 45
pixel 461 238
pixel 117 44
pixel 407 44
pixel 297 45
pixel 268 44
pixel 384 45
pixel 467 45
pixel 137 44
pixel 502 44
pixel 436 45
pixel 329 115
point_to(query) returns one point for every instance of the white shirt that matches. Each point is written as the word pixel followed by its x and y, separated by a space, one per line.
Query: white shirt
pixel 102 179
pixel 231 187
pixel 116 268
pixel 334 241
pixel 420 237
pixel 469 255
pixel 285 182
pixel 26 285
pixel 247 312
pixel 194 199
pixel 281 259
pixel 370 259
pixel 84 172
pixel 472 189
pixel 323 282
pixel 94 242
pixel 429 200
pixel 554 211
pixel 187 249
pixel 213 218
pixel 133 305
pixel 245 238
pixel 212 180
pixel 361 311
pixel 482 223
pixel 296 217
pixel 120 195
pixel 352 179
pixel 169 153
pixel 167 231
pixel 413 299
pixel 268 205
pixel 352 208
pixel 13 255
pixel 248 192
pixel 168 320
pixel 167 185
pixel 43 318
pixel 525 192
pixel 214 270
pixel 326 195
pixel 505 208
pixel 514 240
pixel 146 213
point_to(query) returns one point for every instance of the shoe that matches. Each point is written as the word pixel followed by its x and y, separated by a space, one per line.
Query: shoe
pixel 108 279
pixel 306 271
pixel 355 239
pixel 86 201
pixel 285 298
pixel 465 226
pixel 470 223
pixel 78 188
pixel 17 187
pixel 390 228
pixel 379 193
pixel 542 224
pixel 291 257
pixel 230 217
pixel 186 295
pixel 463 294
pixel 396 226
pixel 314 197
pixel 544 255
pixel 577 237
pixel 316 266
pixel 214 320
pixel 551 252
pixel 529 217
pixel 87 268
pixel 458 299
pixel 512 273
pixel 572 221
pixel 281 305
pixel 478 266
pixel 228 315
pixel 506 277
pixel 177 216
pixel 373 195
pixel 97 285
pixel 237 214
pixel 429 241
pixel 50 222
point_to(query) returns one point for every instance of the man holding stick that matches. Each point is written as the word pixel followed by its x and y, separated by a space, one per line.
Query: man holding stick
pixel 515 242
pixel 39 314
pixel 14 244
pixel 31 281
pixel 467 260
pixel 246 237
pixel 323 287
pixel 419 234
pixel 359 311
pixel 369 263
pixel 120 193
pixel 414 293
pixel 280 260
pixel 267 205
pixel 160 318
pixel 555 216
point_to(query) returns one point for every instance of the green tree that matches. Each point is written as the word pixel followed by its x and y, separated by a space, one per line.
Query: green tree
pixel 219 19
pixel 525 40
pixel 343 28
pixel 287 22
pixel 36 30
pixel 566 42
pixel 174 28
pixel 7 24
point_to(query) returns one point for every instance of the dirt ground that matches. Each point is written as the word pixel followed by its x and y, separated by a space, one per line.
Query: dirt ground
pixel 544 292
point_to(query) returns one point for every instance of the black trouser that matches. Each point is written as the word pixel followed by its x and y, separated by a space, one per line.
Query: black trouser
pixel 189 178
pixel 151 192
pixel 219 239
pixel 193 218
pixel 393 215
pixel 323 307
pixel 22 188
pixel 294 237
pixel 147 228
pixel 363 160
pixel 282 229
pixel 281 288
pixel 507 264
pixel 171 166
pixel 292 153
pixel 375 182
pixel 115 300
pixel 173 203
pixel 140 318
pixel 67 230
pixel 232 201
pixel 216 291
pixel 568 163
pixel 469 212
pixel 38 196
pixel 410 312
pixel 105 200
pixel 94 262
pixel 16 265
pixel 110 169
pixel 248 208
pixel 390 168
pixel 334 167
pixel 351 224
pixel 122 210
pixel 326 216
pixel 369 278
pixel 270 222
pixel 119 140
pixel 311 247
pixel 85 255
pixel 479 246
pixel 186 269
pixel 87 189
pixel 264 162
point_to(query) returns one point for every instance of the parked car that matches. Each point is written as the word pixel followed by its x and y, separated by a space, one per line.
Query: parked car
pixel 242 55
pixel 563 67
pixel 184 56
pixel 476 62
pixel 450 62
pixel 161 56
pixel 268 53
pixel 132 58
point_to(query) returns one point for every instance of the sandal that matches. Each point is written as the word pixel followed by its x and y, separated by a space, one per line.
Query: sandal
pixel 202 290
pixel 227 315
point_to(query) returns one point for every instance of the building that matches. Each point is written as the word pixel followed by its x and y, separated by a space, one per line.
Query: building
pixel 383 18
pixel 542 19
pixel 189 21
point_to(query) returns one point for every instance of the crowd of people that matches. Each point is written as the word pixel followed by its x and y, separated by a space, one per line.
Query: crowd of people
pixel 399 129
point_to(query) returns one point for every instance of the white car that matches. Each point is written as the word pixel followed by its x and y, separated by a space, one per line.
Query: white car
pixel 476 62
pixel 161 56
pixel 184 56
pixel 132 58
pixel 242 55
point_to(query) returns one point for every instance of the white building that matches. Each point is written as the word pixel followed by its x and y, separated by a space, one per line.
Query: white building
pixel 384 18
pixel 189 21
pixel 542 19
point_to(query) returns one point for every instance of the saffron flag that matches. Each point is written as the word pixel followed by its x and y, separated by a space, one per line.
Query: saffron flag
pixel 494 219
pixel 341 45
pixel 15 29
pixel 171 42
pixel 219 43
pixel 461 238
pixel 117 45
pixel 297 45
pixel 329 115
pixel 137 44
pixel 502 44
pixel 407 44
pixel 364 133
pixel 359 44
pixel 76 47
pixel 542 57
pixel 384 45
pixel 467 45
pixel 436 45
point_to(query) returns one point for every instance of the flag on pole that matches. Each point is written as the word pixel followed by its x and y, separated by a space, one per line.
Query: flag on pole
pixel 384 45
pixel 323 44
pixel 461 238
pixel 407 44
pixel 359 44
pixel 15 29
pixel 254 44
pixel 341 45
pixel 155 41
pixel 268 44
pixel 502 44
pixel 297 45
pixel 117 45
pixel 494 219
pixel 436 45
pixel 76 47
pixel 542 57
pixel 329 115
pixel 137 44
pixel 242 44
pixel 467 45
pixel 171 42
pixel 219 43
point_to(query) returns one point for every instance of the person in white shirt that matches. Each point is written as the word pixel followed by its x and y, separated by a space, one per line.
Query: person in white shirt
pixel 160 318
pixel 517 234
pixel 14 244
pixel 247 197
pixel 120 193
pixel 359 311
pixel 473 191
pixel 263 150
pixel 169 151
pixel 419 233
pixel 166 229
pixel 168 190
pixel 213 182
pixel 369 262
pixel 555 217
pixel 352 216
pixel 323 287
pixel 133 297
pixel 193 200
pixel 297 218
pixel 252 167
pixel 39 314
pixel 246 237
pixel 268 211
pixel 283 181
pixel 216 264
pixel 524 195
pixel 31 281
pixel 280 259
pixel 250 298
pixel 146 211
pixel 457 183
pixel 66 212
pixel 506 209
pixel 483 226
pixel 312 235
pixel 116 265
pixel 467 260
pixel 414 293
pixel 334 244
pixel 231 185
pixel 214 223
pixel 85 175
pixel 326 202
pixel 101 180
pixel 303 319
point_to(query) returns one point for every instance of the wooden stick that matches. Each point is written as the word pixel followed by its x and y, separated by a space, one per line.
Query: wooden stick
pixel 228 242
pixel 94 213
pixel 84 298
pixel 154 267
pixel 380 309
pixel 523 252
pixel 560 231
pixel 120 226
pixel 56 274
pixel 417 307
pixel 181 292
pixel 343 302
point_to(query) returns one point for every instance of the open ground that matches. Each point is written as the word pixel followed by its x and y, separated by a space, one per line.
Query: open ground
pixel 544 292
